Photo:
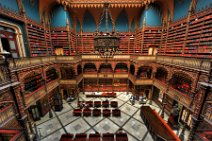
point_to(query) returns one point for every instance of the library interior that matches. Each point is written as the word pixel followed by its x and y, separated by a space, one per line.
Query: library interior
pixel 106 70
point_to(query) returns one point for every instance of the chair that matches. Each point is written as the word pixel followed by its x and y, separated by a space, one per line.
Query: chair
pixel 77 112
pixel 89 103
pixel 114 104
pixel 105 104
pixel 66 137
pixel 121 137
pixel 97 104
pixel 106 112
pixel 80 137
pixel 87 112
pixel 96 112
pixel 107 137
pixel 116 113
pixel 80 103
pixel 94 137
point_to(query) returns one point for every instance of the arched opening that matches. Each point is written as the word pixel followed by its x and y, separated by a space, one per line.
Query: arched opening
pixel 144 72
pixel 11 40
pixel 121 68
pixel 90 68
pixel 51 74
pixel 67 73
pixel 122 22
pixel 161 74
pixel 105 68
pixel 132 69
pixel 79 69
pixel 181 82
pixel 89 24
pixel 32 82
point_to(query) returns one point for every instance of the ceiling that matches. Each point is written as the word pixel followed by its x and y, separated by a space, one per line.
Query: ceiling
pixel 133 8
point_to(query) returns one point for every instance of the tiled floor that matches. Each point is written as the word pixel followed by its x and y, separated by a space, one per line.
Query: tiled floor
pixel 64 121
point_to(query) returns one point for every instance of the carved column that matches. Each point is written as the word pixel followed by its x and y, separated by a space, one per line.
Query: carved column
pixel 199 99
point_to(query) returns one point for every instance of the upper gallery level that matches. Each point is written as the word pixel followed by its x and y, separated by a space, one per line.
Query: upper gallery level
pixel 146 27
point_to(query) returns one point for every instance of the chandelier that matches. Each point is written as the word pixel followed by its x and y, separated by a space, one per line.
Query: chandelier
pixel 105 43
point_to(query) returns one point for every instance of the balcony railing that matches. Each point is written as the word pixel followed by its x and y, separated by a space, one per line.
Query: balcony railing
pixel 183 98
pixel 6 114
pixel 34 96
pixel 192 63
pixel 201 64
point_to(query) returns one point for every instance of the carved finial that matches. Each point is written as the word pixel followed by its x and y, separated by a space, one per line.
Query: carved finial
pixel 67 21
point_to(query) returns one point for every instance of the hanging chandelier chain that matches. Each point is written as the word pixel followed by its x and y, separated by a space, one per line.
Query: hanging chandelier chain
pixel 113 23
pixel 101 19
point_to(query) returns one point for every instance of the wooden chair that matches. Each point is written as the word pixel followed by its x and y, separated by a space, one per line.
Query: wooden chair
pixel 96 112
pixel 89 103
pixel 108 137
pixel 116 112
pixel 121 137
pixel 106 112
pixel 66 137
pixel 77 112
pixel 80 137
pixel 94 137
pixel 105 104
pixel 97 104
pixel 114 104
pixel 87 112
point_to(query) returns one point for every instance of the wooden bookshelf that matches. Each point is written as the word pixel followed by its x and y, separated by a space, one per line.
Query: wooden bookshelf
pixel 124 43
pixel 131 43
pixel 199 40
pixel 33 82
pixel 138 40
pixel 47 32
pixel 60 39
pixel 51 74
pixel 176 38
pixel 36 39
pixel 151 38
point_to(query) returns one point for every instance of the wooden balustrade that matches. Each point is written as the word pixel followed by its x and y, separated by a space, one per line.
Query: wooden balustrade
pixel 32 97
pixel 182 98
pixel 192 63
pixel 201 64
pixel 6 113
pixel 143 82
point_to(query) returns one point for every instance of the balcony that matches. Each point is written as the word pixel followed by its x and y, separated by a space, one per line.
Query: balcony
pixel 6 114
pixel 191 63
pixel 177 95
pixel 32 97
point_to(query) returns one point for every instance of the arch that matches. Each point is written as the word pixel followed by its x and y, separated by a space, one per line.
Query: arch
pixel 121 67
pixel 32 81
pixel 105 67
pixel 161 74
pixel 19 37
pixel 152 14
pixel 181 81
pixel 51 74
pixel 89 68
pixel 103 25
pixel 144 72
pixel 132 69
pixel 79 69
pixel 67 72
pixel 132 29
pixel 60 17
pixel 122 23
pixel 78 26
pixel 89 24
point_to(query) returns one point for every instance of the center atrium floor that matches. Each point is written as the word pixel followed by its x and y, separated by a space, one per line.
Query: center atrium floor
pixel 51 129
